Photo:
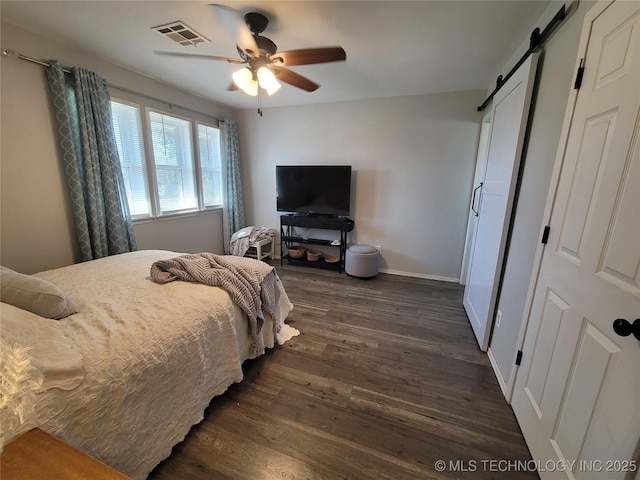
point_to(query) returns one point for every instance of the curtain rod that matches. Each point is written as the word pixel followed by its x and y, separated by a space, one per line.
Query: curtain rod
pixel 10 53
pixel 536 42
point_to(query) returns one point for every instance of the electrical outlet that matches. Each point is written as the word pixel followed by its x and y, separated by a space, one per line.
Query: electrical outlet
pixel 379 248
pixel 498 319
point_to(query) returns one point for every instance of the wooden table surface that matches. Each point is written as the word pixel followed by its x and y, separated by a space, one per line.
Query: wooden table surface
pixel 38 455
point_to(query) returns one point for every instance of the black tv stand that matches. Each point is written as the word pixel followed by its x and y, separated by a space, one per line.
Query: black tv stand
pixel 288 237
pixel 313 215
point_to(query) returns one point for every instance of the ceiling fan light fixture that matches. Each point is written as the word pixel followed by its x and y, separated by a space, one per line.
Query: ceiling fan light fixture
pixel 243 78
pixel 273 89
pixel 267 80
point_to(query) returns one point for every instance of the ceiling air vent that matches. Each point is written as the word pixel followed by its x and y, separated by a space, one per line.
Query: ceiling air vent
pixel 181 33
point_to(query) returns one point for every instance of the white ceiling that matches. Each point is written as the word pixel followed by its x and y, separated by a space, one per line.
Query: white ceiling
pixel 393 47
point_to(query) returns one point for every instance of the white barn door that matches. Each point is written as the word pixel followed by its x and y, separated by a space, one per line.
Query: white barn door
pixel 478 178
pixel 577 392
pixel 510 110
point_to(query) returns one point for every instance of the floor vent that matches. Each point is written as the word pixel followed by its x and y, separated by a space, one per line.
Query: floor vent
pixel 181 33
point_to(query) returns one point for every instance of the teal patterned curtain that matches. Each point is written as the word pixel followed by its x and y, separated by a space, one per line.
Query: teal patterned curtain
pixel 82 110
pixel 233 207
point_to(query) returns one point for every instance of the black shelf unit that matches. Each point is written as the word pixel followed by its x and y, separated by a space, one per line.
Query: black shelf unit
pixel 342 225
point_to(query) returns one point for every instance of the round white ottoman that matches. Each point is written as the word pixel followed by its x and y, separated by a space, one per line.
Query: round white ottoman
pixel 362 261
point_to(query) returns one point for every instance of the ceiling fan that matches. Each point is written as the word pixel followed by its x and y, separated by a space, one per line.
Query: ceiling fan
pixel 264 64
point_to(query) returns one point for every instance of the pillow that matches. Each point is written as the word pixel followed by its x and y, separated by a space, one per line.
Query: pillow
pixel 34 294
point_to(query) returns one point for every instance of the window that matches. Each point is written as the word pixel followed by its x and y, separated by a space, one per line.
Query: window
pixel 180 173
pixel 128 132
pixel 171 140
pixel 210 164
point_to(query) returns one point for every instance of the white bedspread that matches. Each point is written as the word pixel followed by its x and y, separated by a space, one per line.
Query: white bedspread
pixel 126 377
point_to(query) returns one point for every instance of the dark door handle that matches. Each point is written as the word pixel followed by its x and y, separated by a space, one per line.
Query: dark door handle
pixel 473 200
pixel 623 328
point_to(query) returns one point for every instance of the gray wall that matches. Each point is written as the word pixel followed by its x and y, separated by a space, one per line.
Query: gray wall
pixel 556 74
pixel 37 230
pixel 413 161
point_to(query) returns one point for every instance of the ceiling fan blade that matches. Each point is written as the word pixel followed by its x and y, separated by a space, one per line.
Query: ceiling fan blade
pixel 233 23
pixel 292 78
pixel 201 57
pixel 307 56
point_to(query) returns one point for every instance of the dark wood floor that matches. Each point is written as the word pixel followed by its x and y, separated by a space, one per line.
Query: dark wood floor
pixel 385 380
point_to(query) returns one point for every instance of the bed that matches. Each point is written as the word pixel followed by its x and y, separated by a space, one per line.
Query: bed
pixel 125 377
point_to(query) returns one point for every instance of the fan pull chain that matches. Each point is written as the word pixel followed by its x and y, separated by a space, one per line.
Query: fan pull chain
pixel 260 101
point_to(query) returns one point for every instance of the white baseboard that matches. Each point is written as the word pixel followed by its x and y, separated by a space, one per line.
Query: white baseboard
pixel 420 275
pixel 498 374
pixel 410 274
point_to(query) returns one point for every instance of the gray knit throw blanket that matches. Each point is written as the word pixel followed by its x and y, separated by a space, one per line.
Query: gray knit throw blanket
pixel 250 283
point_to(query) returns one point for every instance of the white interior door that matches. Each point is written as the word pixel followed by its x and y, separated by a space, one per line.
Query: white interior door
pixel 577 392
pixel 510 109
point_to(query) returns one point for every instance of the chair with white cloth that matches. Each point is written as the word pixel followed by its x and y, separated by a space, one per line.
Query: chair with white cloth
pixel 255 242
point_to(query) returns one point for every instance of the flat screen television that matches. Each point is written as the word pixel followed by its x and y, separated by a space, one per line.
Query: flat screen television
pixel 314 189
